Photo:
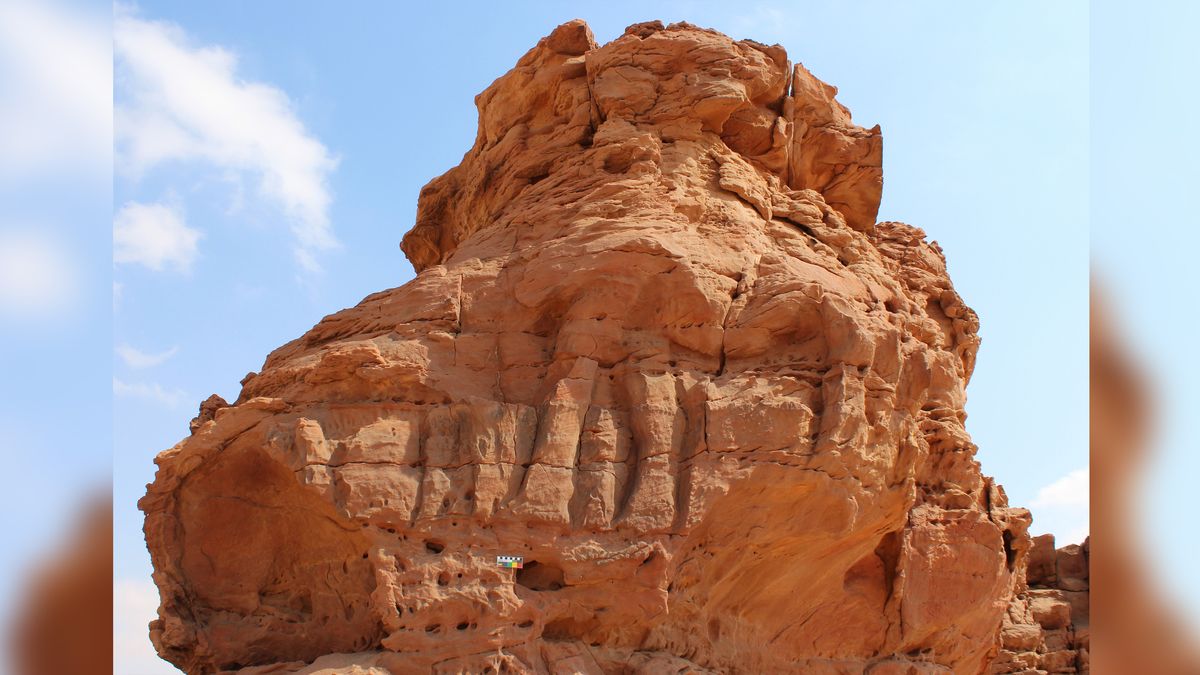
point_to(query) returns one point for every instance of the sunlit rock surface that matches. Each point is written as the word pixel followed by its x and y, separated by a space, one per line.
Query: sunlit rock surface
pixel 659 347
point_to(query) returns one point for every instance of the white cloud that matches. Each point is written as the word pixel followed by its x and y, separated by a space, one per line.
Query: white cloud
pixel 56 102
pixel 38 278
pixel 183 102
pixel 153 235
pixel 1061 508
pixel 1070 491
pixel 135 605
pixel 135 358
pixel 151 391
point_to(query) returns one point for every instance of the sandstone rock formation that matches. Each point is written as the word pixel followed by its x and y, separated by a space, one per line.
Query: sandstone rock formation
pixel 1046 627
pixel 657 345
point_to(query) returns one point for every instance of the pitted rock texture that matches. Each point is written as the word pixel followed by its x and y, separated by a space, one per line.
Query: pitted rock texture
pixel 657 345
pixel 1047 627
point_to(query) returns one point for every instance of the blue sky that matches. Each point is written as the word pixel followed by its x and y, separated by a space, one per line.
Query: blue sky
pixel 55 201
pixel 267 158
pixel 1144 257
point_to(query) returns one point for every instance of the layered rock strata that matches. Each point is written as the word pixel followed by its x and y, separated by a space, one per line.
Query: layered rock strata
pixel 658 346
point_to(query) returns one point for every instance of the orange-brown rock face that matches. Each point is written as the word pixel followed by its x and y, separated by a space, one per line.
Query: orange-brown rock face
pixel 657 346
pixel 1047 627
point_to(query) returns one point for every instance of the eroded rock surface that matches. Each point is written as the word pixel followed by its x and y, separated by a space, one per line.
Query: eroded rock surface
pixel 1047 628
pixel 658 346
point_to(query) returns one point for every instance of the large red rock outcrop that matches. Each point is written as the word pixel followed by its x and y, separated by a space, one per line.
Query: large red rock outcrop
pixel 658 346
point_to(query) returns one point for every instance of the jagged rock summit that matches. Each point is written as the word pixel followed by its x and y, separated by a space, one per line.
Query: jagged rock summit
pixel 657 346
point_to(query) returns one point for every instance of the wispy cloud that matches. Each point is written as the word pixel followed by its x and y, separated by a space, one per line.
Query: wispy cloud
pixel 56 102
pixel 38 278
pixel 150 391
pixel 136 358
pixel 1061 507
pixel 1072 490
pixel 178 101
pixel 153 235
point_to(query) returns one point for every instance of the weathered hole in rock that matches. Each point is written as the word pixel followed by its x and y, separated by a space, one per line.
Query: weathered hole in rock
pixel 1010 555
pixel 565 629
pixel 540 576
pixel 434 546
pixel 888 552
